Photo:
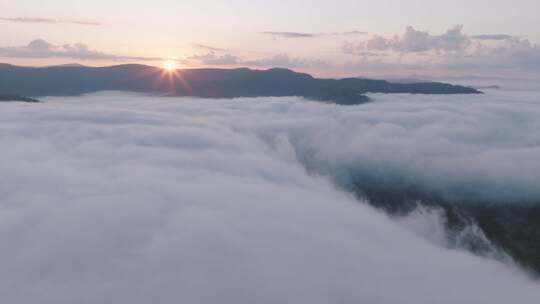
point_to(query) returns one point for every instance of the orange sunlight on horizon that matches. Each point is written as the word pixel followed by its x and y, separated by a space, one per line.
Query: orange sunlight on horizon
pixel 169 65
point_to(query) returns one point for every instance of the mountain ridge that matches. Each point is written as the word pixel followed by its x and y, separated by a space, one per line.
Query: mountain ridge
pixel 204 82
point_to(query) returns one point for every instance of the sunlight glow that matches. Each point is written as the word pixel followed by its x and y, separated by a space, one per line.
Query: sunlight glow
pixel 169 65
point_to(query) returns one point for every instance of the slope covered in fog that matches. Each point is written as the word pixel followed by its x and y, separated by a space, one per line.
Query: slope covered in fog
pixel 129 199
pixel 8 98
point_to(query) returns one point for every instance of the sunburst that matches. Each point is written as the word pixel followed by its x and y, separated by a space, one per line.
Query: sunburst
pixel 169 65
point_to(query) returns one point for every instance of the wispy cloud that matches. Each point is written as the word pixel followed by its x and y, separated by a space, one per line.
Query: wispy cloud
pixel 80 22
pixel 492 37
pixel 311 35
pixel 208 47
pixel 49 20
pixel 40 48
pixel 290 34
pixel 286 61
pixel 212 58
pixel 351 33
pixel 414 41
pixel 279 60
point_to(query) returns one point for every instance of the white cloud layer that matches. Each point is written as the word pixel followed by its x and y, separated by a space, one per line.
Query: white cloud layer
pixel 482 147
pixel 125 199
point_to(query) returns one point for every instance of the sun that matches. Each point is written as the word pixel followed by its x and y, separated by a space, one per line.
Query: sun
pixel 169 65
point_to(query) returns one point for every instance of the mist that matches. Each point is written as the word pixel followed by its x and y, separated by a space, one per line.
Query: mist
pixel 463 148
pixel 123 198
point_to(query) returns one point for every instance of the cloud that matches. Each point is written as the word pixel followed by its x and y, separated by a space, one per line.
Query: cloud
pixel 284 60
pixel 451 50
pixel 513 53
pixel 212 58
pixel 311 35
pixel 413 41
pixel 377 43
pixel 279 60
pixel 291 34
pixel 50 20
pixel 492 37
pixel 418 41
pixel 226 59
pixel 351 33
pixel 40 48
pixel 209 48
pixel 127 199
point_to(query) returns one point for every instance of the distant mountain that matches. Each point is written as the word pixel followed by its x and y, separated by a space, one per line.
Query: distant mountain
pixel 406 80
pixel 68 65
pixel 213 83
pixel 4 97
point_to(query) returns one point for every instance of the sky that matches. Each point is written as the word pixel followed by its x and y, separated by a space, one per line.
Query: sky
pixel 325 38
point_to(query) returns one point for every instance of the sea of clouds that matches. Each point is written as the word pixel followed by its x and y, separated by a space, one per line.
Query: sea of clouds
pixel 464 148
pixel 122 198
